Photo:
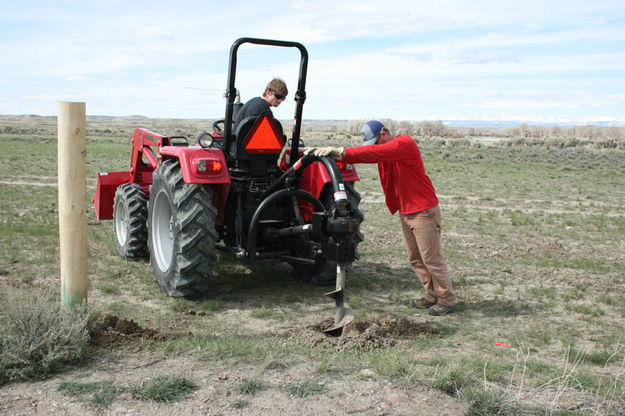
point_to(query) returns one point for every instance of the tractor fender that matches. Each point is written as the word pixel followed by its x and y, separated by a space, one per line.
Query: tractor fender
pixel 190 158
pixel 315 176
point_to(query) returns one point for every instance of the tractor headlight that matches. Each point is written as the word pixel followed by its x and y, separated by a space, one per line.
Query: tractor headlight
pixel 205 140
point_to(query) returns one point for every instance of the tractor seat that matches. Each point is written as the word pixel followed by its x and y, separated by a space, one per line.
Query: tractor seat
pixel 258 143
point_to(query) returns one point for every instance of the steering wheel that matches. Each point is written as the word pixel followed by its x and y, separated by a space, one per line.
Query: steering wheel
pixel 216 128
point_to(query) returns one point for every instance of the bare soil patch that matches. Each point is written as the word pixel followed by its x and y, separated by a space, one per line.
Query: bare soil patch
pixel 363 334
pixel 111 331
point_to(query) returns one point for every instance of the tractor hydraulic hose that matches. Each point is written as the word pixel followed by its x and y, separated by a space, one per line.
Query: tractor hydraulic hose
pixel 301 163
pixel 338 186
pixel 253 229
pixel 340 196
pixel 335 175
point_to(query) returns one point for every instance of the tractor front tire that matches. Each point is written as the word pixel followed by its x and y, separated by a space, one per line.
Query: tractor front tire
pixel 181 232
pixel 323 272
pixel 130 214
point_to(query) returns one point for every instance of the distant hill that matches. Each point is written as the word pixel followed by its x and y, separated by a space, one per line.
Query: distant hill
pixel 484 124
pixel 499 124
pixel 98 125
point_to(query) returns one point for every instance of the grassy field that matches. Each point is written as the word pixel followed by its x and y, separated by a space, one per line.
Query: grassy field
pixel 533 236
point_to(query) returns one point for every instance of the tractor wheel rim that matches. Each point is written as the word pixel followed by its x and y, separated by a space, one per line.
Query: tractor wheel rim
pixel 121 223
pixel 162 231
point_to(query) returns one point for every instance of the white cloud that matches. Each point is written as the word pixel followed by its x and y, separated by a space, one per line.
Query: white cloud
pixel 421 58
pixel 153 32
pixel 76 78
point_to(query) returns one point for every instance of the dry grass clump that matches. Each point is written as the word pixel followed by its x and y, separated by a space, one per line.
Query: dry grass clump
pixel 566 391
pixel 38 336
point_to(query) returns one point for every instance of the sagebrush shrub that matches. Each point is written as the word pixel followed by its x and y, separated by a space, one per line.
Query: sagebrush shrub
pixel 38 336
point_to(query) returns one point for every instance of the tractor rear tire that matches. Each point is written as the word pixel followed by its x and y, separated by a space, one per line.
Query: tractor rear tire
pixel 130 214
pixel 181 232
pixel 323 273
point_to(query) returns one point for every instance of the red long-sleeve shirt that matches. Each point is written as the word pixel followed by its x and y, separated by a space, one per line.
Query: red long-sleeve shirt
pixel 406 185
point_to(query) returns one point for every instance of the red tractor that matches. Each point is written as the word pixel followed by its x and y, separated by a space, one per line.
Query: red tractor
pixel 233 193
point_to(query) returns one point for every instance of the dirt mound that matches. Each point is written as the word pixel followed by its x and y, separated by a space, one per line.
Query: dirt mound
pixel 109 331
pixel 364 335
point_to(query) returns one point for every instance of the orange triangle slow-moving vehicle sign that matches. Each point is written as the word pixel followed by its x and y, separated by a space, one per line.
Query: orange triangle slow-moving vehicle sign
pixel 264 137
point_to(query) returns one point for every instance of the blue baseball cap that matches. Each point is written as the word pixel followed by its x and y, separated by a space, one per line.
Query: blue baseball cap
pixel 370 132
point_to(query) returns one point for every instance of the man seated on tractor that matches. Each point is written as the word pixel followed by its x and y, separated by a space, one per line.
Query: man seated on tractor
pixel 275 93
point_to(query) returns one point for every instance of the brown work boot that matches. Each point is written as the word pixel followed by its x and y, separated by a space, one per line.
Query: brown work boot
pixel 421 303
pixel 438 310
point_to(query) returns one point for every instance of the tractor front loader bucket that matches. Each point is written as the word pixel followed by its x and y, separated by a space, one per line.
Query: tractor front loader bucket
pixel 105 192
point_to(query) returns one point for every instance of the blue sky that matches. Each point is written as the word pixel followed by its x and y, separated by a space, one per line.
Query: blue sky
pixel 543 61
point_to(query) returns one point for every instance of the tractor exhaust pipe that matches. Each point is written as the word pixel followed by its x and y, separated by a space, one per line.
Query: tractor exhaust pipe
pixel 342 315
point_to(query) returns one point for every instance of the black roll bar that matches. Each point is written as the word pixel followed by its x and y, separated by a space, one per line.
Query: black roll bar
pixel 300 94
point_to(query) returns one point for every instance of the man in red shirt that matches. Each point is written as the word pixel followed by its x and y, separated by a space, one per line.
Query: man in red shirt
pixel 407 188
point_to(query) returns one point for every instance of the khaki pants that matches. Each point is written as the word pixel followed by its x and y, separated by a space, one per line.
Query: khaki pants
pixel 422 234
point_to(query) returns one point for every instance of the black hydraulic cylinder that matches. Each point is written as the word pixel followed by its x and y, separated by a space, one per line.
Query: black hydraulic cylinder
pixel 273 234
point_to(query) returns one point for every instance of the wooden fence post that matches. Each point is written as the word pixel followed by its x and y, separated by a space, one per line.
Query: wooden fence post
pixel 72 153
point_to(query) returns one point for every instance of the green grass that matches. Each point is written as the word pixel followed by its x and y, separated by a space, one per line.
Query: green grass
pixel 249 386
pixel 305 388
pixel 99 393
pixel 532 233
pixel 452 377
pixel 543 293
pixel 489 403
pixel 108 287
pixel 464 372
pixel 266 313
pixel 391 363
pixel 236 348
pixel 589 310
pixel 240 404
pixel 538 368
pixel 597 357
pixel 163 389
pixel 539 337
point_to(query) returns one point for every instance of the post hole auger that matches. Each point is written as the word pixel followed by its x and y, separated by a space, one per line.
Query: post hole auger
pixel 335 228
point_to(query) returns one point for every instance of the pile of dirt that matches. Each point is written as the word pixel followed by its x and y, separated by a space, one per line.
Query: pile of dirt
pixel 364 335
pixel 111 331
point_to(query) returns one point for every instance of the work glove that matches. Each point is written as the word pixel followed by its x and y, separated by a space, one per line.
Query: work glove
pixel 333 152
pixel 310 150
